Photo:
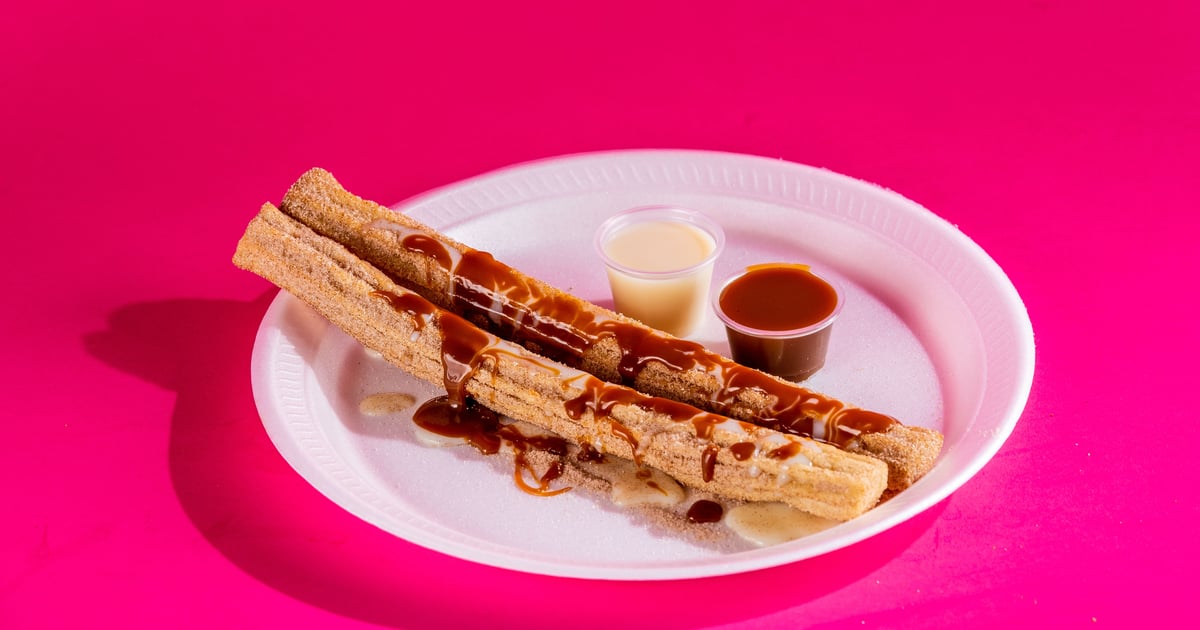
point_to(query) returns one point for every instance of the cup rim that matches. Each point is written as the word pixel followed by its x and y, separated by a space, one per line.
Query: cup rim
pixel 673 213
pixel 790 333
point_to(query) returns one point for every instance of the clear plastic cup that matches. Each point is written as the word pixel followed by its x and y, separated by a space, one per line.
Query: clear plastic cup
pixel 779 318
pixel 659 261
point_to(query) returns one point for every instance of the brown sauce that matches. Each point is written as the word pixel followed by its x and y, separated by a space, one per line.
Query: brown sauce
pixel 456 415
pixel 482 429
pixel 708 461
pixel 476 425
pixel 488 292
pixel 743 450
pixel 428 246
pixel 542 487
pixel 706 423
pixel 705 511
pixel 625 434
pixel 416 306
pixel 784 452
pixel 778 298
pixel 778 318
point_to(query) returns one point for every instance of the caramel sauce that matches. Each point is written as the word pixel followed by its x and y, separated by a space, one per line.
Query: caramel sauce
pixel 778 297
pixel 509 305
pixel 599 397
pixel 410 303
pixel 474 424
pixel 705 511
pixel 542 488
pixel 588 453
pixel 705 424
pixel 708 461
pixel 784 452
pixel 482 429
pixel 428 246
pixel 624 433
pixel 512 308
pixel 743 450
pixel 456 415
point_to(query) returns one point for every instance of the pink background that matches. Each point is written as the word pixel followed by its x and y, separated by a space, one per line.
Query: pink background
pixel 139 138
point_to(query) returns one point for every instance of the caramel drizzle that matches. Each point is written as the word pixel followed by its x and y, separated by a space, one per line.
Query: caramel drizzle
pixel 493 295
pixel 743 450
pixel 705 511
pixel 464 348
pixel 708 461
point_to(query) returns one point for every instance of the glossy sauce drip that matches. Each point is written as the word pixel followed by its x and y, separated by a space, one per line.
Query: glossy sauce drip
pixel 521 444
pixel 428 246
pixel 708 461
pixel 705 511
pixel 786 451
pixel 799 411
pixel 624 433
pixel 481 428
pixel 475 424
pixel 410 303
pixel 706 423
pixel 640 346
pixel 491 293
pixel 462 350
pixel 600 397
pixel 513 308
pixel 456 415
pixel 743 451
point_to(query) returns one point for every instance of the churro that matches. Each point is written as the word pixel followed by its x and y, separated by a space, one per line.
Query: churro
pixel 721 455
pixel 553 323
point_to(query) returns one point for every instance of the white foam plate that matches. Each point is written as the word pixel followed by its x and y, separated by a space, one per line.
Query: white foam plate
pixel 933 332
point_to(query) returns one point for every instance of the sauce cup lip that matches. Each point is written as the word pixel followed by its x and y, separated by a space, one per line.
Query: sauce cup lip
pixel 662 212
pixel 790 333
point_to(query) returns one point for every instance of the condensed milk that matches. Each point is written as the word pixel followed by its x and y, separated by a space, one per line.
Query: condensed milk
pixel 659 261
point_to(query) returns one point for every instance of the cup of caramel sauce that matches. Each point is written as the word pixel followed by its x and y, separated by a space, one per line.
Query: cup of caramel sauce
pixel 659 261
pixel 778 318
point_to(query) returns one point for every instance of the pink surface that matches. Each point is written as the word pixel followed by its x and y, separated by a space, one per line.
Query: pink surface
pixel 138 140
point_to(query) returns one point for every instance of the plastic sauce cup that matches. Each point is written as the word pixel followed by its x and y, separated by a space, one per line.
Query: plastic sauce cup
pixel 659 261
pixel 779 317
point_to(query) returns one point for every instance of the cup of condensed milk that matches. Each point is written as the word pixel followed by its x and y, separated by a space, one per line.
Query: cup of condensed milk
pixel 659 261
pixel 779 317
